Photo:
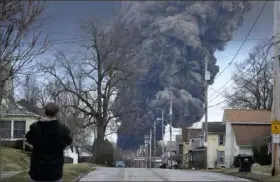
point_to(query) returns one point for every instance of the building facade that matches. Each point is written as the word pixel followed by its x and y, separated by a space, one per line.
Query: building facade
pixel 245 129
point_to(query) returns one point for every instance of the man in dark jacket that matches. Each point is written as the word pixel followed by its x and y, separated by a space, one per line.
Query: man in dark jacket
pixel 49 138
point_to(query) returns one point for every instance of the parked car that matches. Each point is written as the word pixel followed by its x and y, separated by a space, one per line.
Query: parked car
pixel 120 164
pixel 174 164
pixel 163 166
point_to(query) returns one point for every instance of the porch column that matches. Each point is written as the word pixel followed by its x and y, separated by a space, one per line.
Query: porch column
pixel 12 129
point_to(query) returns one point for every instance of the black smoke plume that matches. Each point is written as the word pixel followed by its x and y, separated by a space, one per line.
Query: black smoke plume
pixel 174 39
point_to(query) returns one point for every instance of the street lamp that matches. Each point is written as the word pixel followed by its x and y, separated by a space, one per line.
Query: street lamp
pixel 150 153
pixel 162 131
pixel 146 149
pixel 155 141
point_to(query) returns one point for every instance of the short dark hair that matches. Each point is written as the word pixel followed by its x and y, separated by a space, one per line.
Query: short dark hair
pixel 51 109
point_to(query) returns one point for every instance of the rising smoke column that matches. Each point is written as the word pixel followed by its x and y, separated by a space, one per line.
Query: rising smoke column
pixel 175 38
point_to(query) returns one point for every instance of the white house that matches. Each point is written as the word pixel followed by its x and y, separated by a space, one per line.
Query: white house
pixel 73 153
pixel 244 129
pixel 15 120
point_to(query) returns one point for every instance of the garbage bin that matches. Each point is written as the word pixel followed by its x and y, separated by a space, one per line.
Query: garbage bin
pixel 245 163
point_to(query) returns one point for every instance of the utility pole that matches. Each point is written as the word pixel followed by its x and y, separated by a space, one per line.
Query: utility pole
pixel 0 157
pixel 207 78
pixel 155 141
pixel 276 91
pixel 142 156
pixel 170 131
pixel 162 133
pixel 146 151
pixel 150 153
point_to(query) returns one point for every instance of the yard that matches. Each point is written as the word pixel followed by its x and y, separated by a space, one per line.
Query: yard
pixel 13 160
pixel 70 173
pixel 16 160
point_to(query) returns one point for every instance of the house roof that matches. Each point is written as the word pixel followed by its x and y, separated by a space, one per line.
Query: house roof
pixel 246 115
pixel 12 108
pixel 29 107
pixel 215 127
pixel 188 133
pixel 251 134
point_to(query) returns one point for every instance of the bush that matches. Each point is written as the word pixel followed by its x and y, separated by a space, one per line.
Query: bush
pixel 16 144
pixel 236 162
pixel 68 160
pixel 87 159
pixel 104 155
pixel 260 155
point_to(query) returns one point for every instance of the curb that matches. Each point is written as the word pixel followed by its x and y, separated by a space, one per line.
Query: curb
pixel 82 175
pixel 246 177
pixel 243 176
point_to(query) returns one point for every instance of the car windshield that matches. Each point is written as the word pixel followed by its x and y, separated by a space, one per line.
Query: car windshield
pixel 120 163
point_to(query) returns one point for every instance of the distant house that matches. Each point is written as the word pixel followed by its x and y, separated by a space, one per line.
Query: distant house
pixel 196 155
pixel 39 111
pixel 187 135
pixel 215 144
pixel 76 153
pixel 245 129
pixel 174 147
pixel 15 121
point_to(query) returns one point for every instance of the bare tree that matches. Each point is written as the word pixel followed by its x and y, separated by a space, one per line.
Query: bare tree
pixel 18 41
pixel 71 116
pixel 253 89
pixel 112 127
pixel 31 92
pixel 93 76
pixel 19 38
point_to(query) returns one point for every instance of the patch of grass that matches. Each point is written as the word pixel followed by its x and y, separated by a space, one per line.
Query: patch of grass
pixel 70 172
pixel 263 169
pixel 261 173
pixel 221 170
pixel 251 176
pixel 13 159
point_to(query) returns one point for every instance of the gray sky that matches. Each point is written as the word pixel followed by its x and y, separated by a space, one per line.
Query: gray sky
pixel 263 29
pixel 65 17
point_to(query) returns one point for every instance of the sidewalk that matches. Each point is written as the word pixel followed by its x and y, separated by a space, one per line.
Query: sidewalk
pixel 255 175
pixel 8 174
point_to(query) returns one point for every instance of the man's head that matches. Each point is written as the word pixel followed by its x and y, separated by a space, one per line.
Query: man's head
pixel 51 109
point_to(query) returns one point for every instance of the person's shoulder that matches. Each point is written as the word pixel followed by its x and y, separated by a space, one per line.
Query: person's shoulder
pixel 34 125
pixel 63 126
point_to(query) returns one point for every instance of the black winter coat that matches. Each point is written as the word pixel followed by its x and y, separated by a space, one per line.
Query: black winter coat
pixel 49 139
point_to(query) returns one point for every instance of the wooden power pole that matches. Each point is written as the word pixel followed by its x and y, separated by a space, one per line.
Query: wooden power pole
pixel 275 124
pixel 207 77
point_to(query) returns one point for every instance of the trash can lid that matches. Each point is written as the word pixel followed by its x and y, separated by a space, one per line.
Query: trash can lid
pixel 244 156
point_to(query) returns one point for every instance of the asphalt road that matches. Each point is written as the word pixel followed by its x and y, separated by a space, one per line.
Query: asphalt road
pixel 143 174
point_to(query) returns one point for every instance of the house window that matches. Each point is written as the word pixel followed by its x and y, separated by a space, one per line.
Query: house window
pixel 19 129
pixel 221 140
pixel 221 157
pixel 5 129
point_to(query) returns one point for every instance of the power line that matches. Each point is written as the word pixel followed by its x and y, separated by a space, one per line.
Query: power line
pixel 85 38
pixel 249 81
pixel 246 38
pixel 243 72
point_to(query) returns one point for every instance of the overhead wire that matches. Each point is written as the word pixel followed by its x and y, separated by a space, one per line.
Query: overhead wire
pixel 249 62
pixel 247 82
pixel 244 41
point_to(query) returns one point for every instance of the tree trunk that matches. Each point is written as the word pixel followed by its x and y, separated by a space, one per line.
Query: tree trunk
pixel 98 143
